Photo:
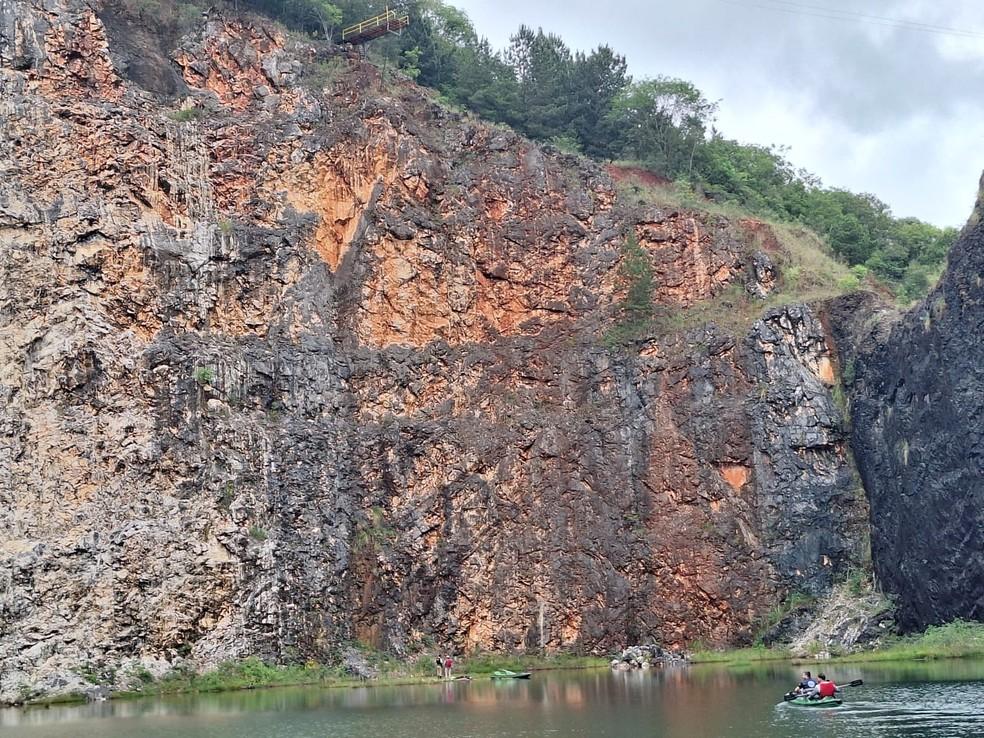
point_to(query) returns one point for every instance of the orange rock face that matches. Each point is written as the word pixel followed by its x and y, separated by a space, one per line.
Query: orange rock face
pixel 314 366
pixel 690 263
pixel 76 60
pixel 231 62
pixel 338 187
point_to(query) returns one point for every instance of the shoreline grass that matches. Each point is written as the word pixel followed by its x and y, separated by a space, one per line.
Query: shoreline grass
pixel 253 673
pixel 487 663
pixel 956 640
pixel 736 656
pixel 959 639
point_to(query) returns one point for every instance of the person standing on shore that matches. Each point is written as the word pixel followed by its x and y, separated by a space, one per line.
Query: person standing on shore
pixel 448 665
pixel 439 661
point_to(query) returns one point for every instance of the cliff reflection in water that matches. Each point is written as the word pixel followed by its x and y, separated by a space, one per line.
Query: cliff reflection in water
pixel 926 700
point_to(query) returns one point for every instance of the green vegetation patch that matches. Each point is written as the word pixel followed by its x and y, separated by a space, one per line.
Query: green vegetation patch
pixel 204 375
pixel 489 662
pixel 955 640
pixel 808 272
pixel 249 673
pixel 186 115
pixel 636 310
pixel 254 673
pixel 795 602
pixel 740 656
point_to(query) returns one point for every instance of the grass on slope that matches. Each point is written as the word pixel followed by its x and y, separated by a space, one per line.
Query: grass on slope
pixel 808 272
pixel 956 640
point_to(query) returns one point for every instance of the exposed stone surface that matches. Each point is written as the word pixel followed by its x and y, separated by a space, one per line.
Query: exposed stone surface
pixel 316 367
pixel 918 411
pixel 645 657
pixel 802 467
pixel 841 621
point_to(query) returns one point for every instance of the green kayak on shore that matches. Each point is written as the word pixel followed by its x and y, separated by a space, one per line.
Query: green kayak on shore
pixel 507 674
pixel 824 702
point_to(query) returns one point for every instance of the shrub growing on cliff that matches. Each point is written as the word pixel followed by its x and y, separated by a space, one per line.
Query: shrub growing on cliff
pixel 636 309
pixel 319 75
pixel 858 582
pixel 141 676
pixel 374 534
pixel 638 274
pixel 795 602
pixel 204 375
pixel 850 283
pixel 186 114
pixel 96 673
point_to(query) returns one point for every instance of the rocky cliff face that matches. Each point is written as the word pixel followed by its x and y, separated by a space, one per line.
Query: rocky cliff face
pixel 918 410
pixel 309 365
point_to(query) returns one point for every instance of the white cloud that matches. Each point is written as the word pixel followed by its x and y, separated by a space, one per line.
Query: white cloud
pixel 871 108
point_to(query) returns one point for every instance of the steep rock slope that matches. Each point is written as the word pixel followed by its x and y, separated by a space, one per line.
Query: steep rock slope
pixel 314 366
pixel 918 410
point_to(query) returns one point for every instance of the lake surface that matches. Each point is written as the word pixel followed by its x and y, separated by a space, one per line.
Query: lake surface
pixel 931 700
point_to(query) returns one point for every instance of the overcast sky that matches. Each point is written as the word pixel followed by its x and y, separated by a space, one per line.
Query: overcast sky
pixel 863 103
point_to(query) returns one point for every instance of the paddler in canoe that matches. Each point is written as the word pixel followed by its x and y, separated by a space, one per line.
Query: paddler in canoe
pixel 825 688
pixel 806 686
pixel 823 694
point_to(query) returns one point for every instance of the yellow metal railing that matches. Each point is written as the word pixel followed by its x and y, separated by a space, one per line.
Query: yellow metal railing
pixel 388 20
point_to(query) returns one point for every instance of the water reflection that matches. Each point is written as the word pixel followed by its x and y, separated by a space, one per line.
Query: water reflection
pixel 936 700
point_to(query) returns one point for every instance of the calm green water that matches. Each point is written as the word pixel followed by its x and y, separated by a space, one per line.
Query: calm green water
pixel 931 700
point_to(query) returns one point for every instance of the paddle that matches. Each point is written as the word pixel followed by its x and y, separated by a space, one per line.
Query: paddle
pixel 791 696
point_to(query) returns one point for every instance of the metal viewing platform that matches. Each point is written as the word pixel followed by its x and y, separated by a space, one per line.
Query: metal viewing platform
pixel 389 21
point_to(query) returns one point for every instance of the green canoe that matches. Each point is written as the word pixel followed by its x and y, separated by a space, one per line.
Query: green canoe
pixel 506 674
pixel 825 702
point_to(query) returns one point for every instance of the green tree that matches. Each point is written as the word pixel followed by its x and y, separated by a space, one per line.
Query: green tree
pixel 314 16
pixel 758 177
pixel 923 242
pixel 486 84
pixel 410 62
pixel 543 66
pixel 889 263
pixel 327 15
pixel 441 33
pixel 915 282
pixel 597 79
pixel 664 121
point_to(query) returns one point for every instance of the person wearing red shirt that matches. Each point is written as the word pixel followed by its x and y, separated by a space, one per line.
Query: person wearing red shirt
pixel 826 688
